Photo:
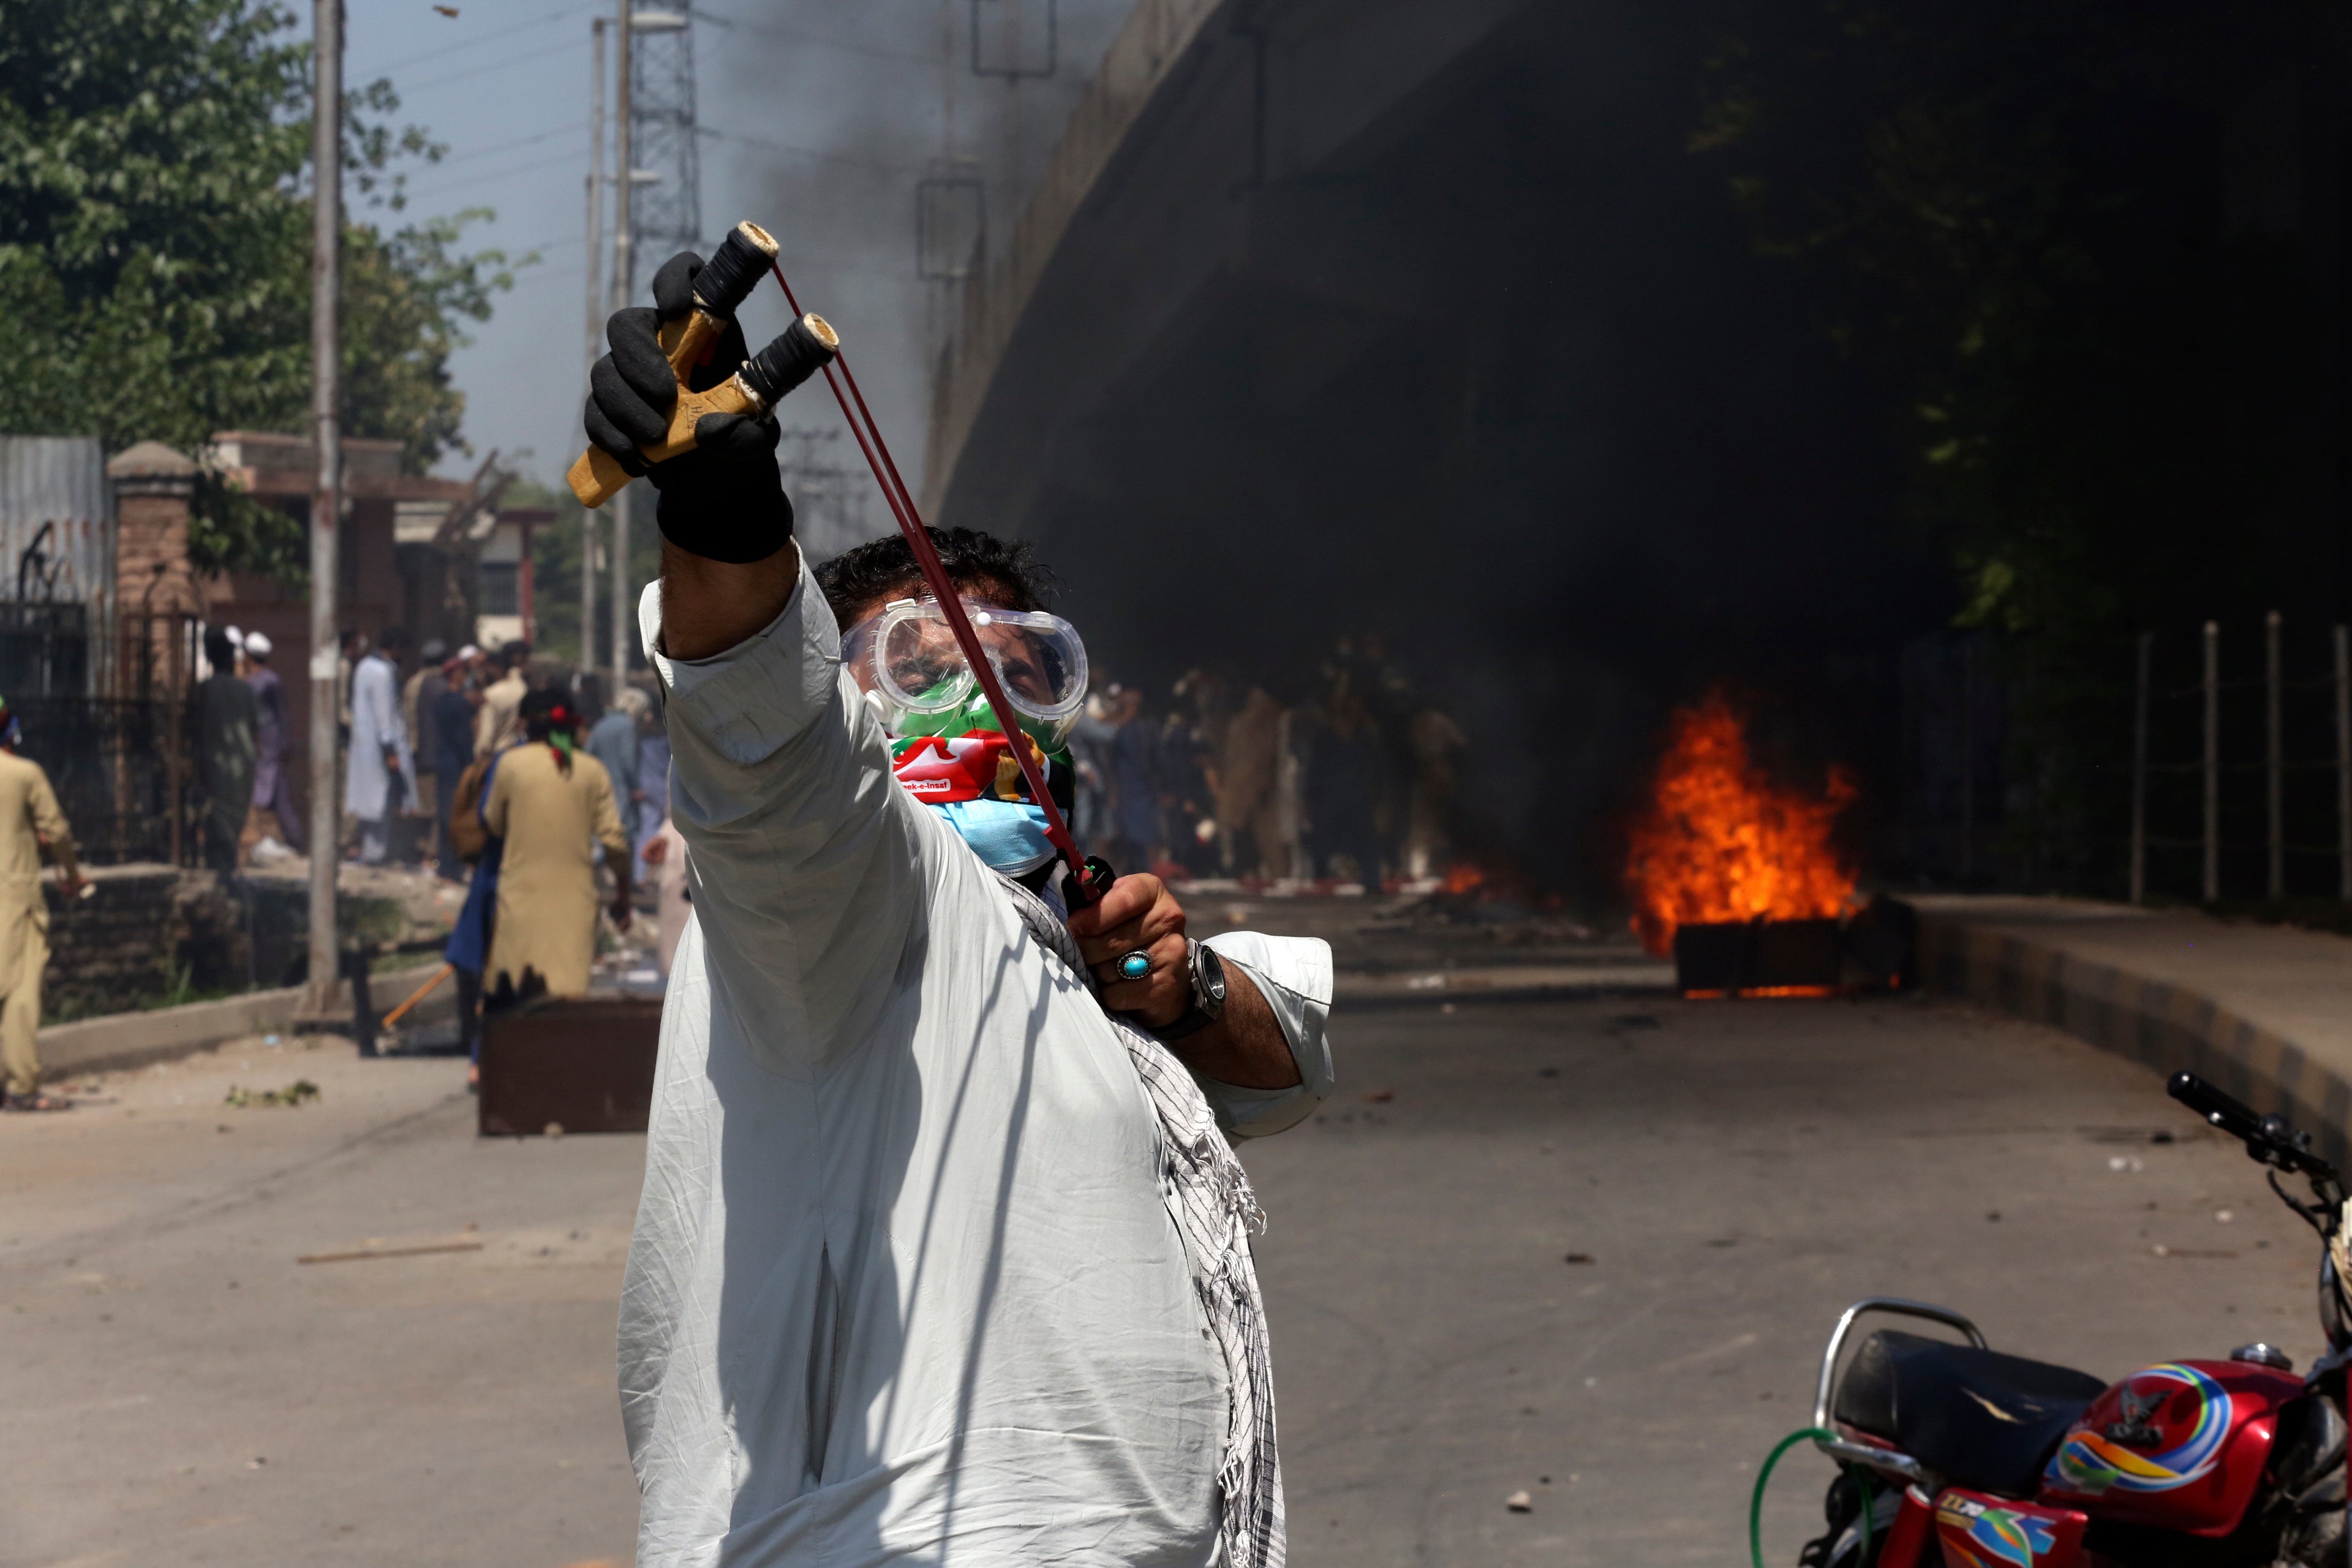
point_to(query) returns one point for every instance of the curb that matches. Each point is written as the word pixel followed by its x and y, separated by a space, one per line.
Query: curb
pixel 2157 1024
pixel 1355 990
pixel 122 1040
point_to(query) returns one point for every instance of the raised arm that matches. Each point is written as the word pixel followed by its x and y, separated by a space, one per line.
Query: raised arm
pixel 806 882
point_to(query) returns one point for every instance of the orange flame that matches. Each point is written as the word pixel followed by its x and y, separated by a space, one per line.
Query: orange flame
pixel 1464 878
pixel 1720 842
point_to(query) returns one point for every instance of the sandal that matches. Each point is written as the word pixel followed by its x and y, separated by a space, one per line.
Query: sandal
pixel 38 1102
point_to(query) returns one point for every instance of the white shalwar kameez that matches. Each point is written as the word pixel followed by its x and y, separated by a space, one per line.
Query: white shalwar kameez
pixel 905 1288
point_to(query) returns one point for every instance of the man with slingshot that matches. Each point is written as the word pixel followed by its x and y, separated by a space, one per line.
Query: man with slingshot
pixel 943 1253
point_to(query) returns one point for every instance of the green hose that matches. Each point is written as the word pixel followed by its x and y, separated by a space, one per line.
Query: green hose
pixel 1756 1503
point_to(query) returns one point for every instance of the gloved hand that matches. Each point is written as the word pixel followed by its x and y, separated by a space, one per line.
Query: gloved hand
pixel 724 499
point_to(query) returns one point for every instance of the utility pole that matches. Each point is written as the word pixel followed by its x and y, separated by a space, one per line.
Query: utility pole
pixel 624 270
pixel 327 496
pixel 656 115
pixel 595 320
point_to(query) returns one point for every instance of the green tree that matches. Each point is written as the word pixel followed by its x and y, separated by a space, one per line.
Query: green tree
pixel 155 237
pixel 2009 211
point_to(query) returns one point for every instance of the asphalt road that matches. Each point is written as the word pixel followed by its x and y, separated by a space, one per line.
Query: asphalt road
pixel 181 1389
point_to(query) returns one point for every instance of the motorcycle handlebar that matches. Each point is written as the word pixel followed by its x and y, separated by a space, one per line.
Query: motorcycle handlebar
pixel 2232 1115
pixel 2273 1140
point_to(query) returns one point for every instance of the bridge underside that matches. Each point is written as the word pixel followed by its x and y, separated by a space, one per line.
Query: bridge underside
pixel 1431 328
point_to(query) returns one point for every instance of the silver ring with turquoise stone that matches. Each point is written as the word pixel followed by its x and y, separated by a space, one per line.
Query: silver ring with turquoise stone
pixel 1135 966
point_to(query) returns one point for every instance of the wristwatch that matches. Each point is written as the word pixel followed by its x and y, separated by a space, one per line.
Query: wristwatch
pixel 1208 994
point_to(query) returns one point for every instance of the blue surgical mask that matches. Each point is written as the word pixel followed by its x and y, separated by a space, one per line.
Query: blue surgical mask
pixel 1010 834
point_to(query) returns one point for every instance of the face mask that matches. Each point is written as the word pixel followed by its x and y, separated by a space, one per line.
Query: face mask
pixel 1008 835
pixel 969 773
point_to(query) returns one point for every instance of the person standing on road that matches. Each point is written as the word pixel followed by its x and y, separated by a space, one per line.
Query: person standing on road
pixel 546 802
pixel 941 1253
pixel 614 743
pixel 496 726
pixel 30 821
pixel 273 786
pixel 1134 782
pixel 1245 794
pixel 229 731
pixel 416 695
pixel 449 730
pixel 381 776
pixel 652 778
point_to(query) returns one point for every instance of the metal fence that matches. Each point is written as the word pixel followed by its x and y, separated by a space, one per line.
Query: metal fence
pixel 123 758
pixel 121 770
pixel 2259 762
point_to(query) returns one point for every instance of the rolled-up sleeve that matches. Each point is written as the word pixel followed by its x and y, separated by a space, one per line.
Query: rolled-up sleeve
pixel 1293 974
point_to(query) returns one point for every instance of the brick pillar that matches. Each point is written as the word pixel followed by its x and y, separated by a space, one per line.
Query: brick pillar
pixel 152 486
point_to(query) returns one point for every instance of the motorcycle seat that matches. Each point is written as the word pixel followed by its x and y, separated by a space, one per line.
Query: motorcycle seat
pixel 1979 1418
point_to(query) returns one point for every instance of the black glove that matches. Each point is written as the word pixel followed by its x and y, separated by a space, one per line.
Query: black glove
pixel 724 499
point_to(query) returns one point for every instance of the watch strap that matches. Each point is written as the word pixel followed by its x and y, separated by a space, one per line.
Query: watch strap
pixel 1195 1018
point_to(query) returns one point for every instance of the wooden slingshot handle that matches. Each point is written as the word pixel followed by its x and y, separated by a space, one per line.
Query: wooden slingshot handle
pixel 722 285
pixel 799 351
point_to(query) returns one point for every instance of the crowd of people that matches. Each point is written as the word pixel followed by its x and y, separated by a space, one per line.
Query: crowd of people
pixel 408 729
pixel 1354 785
pixel 510 776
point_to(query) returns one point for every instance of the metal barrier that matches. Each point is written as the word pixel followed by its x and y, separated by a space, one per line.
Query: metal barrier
pixel 122 769
pixel 2305 733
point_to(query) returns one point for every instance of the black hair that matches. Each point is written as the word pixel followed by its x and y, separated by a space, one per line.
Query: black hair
pixel 543 712
pixel 394 640
pixel 219 650
pixel 1006 570
pixel 513 654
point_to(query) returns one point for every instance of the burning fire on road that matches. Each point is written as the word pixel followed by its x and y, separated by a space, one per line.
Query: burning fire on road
pixel 1735 875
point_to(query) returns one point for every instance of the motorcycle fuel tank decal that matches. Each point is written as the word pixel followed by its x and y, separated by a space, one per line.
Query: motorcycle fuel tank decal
pixel 1982 1532
pixel 2174 1423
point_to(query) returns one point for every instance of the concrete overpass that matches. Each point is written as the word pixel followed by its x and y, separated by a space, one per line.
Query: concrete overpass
pixel 1336 316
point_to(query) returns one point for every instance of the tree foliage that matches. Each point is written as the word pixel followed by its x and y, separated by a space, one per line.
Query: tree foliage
pixel 555 570
pixel 2014 211
pixel 155 246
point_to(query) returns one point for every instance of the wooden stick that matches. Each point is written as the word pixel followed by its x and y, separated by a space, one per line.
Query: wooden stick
pixel 421 991
pixel 365 1252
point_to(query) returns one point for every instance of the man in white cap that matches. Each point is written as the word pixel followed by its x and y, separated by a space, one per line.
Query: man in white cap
pixel 380 776
pixel 229 726
pixel 273 787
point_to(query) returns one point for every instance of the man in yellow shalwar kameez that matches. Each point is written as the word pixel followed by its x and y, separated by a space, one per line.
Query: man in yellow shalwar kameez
pixel 29 820
pixel 549 801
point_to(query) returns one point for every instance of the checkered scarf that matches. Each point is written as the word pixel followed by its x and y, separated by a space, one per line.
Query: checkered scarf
pixel 1208 1197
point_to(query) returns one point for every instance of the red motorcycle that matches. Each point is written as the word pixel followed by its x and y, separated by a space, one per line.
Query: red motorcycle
pixel 1960 1454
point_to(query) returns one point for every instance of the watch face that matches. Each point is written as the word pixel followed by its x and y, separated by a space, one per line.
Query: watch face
pixel 1212 974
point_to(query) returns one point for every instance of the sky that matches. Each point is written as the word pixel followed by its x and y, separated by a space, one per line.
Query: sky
pixel 819 121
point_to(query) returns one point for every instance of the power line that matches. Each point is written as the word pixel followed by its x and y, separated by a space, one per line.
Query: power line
pixel 437 191
pixel 488 67
pixel 446 50
pixel 571 242
pixel 472 154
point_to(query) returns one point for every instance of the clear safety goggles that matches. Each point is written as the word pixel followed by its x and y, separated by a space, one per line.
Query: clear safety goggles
pixel 907 658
